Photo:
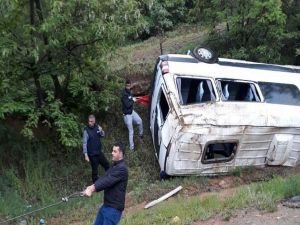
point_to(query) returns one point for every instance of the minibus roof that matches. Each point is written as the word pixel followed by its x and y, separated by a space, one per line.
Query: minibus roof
pixel 232 69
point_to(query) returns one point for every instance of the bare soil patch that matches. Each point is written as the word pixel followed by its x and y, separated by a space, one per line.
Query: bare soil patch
pixel 283 216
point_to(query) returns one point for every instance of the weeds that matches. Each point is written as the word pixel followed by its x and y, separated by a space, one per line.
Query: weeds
pixel 31 177
pixel 263 196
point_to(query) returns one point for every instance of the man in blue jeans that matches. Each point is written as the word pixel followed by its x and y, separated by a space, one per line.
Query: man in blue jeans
pixel 129 115
pixel 114 184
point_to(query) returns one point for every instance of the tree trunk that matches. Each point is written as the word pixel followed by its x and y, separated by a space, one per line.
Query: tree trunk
pixel 31 8
pixel 161 47
pixel 57 86
pixel 56 83
pixel 32 64
pixel 38 89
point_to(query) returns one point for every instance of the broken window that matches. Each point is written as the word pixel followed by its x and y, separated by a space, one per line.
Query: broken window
pixel 193 91
pixel 238 91
pixel 219 152
pixel 287 94
pixel 164 107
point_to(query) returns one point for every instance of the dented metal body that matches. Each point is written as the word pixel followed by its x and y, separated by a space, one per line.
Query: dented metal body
pixel 197 136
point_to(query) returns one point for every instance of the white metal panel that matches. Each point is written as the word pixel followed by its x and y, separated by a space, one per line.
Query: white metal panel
pixel 231 72
pixel 253 125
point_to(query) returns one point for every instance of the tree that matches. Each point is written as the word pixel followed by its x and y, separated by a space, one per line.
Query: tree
pixel 254 30
pixel 53 60
pixel 204 12
pixel 291 40
pixel 162 16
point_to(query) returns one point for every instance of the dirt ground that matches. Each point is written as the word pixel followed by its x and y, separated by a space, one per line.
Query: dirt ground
pixel 226 185
pixel 223 186
pixel 283 216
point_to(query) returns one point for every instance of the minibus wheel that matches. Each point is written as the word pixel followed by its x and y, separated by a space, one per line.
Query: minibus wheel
pixel 163 175
pixel 204 55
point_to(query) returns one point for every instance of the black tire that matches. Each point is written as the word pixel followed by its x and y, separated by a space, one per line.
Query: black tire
pixel 204 55
pixel 163 175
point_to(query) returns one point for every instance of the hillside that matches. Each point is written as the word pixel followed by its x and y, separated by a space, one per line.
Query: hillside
pixel 38 175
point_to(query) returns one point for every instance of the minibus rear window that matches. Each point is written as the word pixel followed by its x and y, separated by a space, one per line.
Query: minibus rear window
pixel 192 91
pixel 286 94
pixel 219 152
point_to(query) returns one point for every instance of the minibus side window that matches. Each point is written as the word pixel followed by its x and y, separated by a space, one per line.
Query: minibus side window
pixel 194 91
pixel 238 91
pixel 276 93
pixel 164 107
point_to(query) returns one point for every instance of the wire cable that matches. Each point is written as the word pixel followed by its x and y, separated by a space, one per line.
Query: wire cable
pixel 64 199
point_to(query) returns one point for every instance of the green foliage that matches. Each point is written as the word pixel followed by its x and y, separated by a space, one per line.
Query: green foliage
pixel 263 31
pixel 11 202
pixel 56 56
pixel 253 30
pixel 53 60
pixel 204 12
pixel 291 40
pixel 163 15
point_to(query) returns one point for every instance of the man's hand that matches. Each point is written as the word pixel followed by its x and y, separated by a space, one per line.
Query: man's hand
pixel 134 99
pixel 89 190
pixel 101 131
pixel 86 157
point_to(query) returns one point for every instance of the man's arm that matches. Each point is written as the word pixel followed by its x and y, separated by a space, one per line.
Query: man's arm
pixel 110 179
pixel 84 145
pixel 106 181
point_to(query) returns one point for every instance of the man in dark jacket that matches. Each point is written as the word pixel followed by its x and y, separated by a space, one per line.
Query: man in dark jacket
pixel 129 115
pixel 92 147
pixel 114 184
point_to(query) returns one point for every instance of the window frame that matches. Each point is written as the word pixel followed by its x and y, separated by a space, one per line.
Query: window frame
pixel 276 83
pixel 255 84
pixel 212 80
pixel 221 160
pixel 162 90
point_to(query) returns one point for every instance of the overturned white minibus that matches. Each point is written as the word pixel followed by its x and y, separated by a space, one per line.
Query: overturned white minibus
pixel 210 118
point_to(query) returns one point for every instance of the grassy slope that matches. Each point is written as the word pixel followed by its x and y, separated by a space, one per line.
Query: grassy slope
pixel 263 196
pixel 143 55
pixel 46 177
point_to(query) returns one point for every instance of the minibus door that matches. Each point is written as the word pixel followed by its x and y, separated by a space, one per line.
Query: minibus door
pixel 164 130
pixel 158 128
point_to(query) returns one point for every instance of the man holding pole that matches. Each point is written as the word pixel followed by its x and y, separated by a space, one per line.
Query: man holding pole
pixel 114 184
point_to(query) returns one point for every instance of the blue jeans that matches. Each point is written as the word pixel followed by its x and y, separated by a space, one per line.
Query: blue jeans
pixel 129 119
pixel 108 216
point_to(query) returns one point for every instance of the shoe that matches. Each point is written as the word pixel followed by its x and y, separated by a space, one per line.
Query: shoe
pixel 141 140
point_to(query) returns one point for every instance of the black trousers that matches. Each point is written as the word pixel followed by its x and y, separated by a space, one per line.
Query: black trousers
pixel 95 160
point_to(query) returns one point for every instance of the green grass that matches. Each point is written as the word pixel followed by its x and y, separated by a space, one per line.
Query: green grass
pixel 139 58
pixel 41 180
pixel 34 174
pixel 263 196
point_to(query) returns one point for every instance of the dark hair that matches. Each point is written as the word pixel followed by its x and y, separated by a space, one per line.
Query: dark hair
pixel 127 81
pixel 121 147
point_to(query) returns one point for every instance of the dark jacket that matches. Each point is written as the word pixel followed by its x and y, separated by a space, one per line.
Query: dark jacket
pixel 127 101
pixel 94 145
pixel 114 184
